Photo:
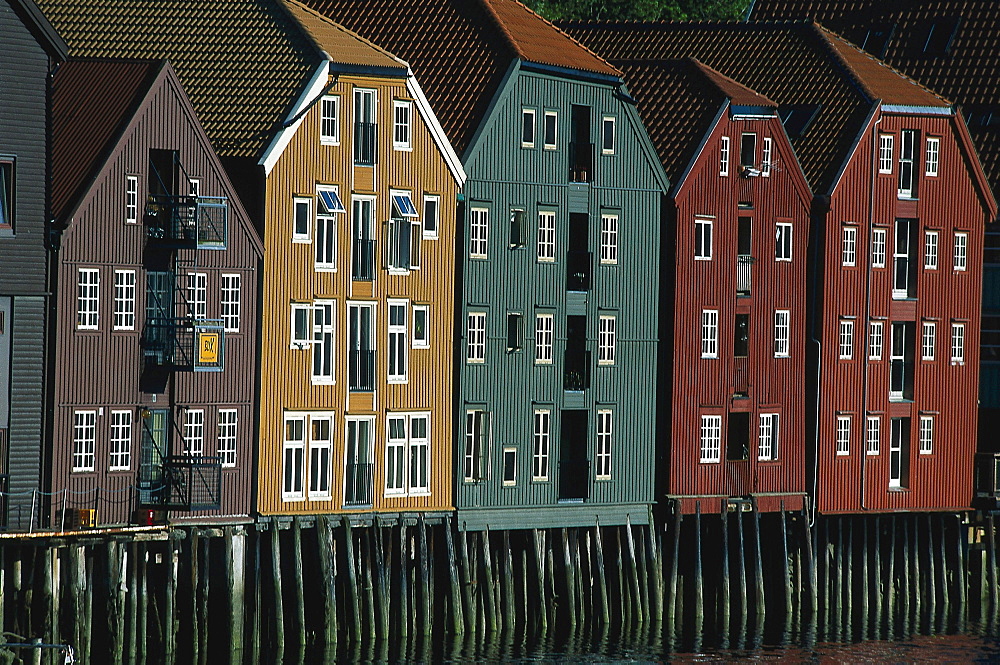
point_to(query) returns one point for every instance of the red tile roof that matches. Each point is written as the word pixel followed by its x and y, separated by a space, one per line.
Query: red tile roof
pixel 342 45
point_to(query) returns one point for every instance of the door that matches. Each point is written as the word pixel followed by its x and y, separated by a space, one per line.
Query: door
pixel 364 127
pixel 361 367
pixel 899 453
pixel 357 462
pixel 153 449
pixel 574 463
pixel 363 240
pixel 581 151
pixel 738 440
pixel 578 261
pixel 901 360
pixel 577 359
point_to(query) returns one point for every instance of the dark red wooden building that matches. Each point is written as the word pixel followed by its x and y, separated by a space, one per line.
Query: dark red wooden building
pixel 156 306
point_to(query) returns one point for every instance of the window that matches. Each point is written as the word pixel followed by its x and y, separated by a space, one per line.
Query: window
pixel 121 440
pixel 543 339
pixel 748 150
pixel 231 302
pixel 878 248
pixel 885 153
pixel 432 212
pixel 709 333
pixel 361 347
pixel 782 318
pixel 124 318
pixel 783 241
pixel 741 336
pixel 904 279
pixel 294 450
pixel 226 444
pixel 528 128
pixel 358 449
pixel 84 435
pixel 874 435
pixel 365 128
pixel 606 339
pixel 421 321
pixel 194 432
pixel 517 217
pixel 958 344
pixel 711 438
pixel 605 427
pixel 540 457
pixel 846 339
pixel 509 466
pixel 401 112
pixel 419 454
pixel 194 187
pixel 87 298
pixel 907 138
pixel 961 249
pixel 302 219
pixel 932 152
pixel 328 205
pixel 477 424
pixel 930 250
pixel 403 230
pixel 320 449
pixel 329 120
pixel 848 250
pixel 546 248
pixel 767 448
pixel 398 341
pixel 926 435
pixel 476 337
pixel 479 226
pixel 395 456
pixel 876 331
pixel 551 122
pixel 363 239
pixel 609 239
pixel 899 452
pixel 765 164
pixel 322 342
pixel 131 199
pixel 7 197
pixel 301 329
pixel 607 135
pixel 843 435
pixel 514 332
pixel 901 352
pixel 724 156
pixel 927 340
pixel 197 295
pixel 702 239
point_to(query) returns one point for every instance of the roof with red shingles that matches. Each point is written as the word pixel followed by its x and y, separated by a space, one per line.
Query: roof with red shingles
pixel 342 45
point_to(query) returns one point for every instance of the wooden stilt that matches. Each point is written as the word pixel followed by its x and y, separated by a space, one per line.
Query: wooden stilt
pixel 876 588
pixel 297 584
pixel 636 577
pixel 744 599
pixel 672 588
pixel 811 582
pixel 847 582
pixel 324 536
pixel 381 579
pixel 785 574
pixel 197 621
pixel 866 582
pixel 699 585
pixel 77 580
pixel 569 600
pixel 490 601
pixel 906 588
pixel 654 564
pixel 507 587
pixel 468 608
pixel 204 577
pixel 366 565
pixel 352 577
pixel 932 609
pixel 235 557
pixel 454 586
pixel 550 562
pixel 170 612
pixel 892 617
pixel 991 561
pixel 724 617
pixel 942 580
pixel 915 595
pixel 142 634
pixel 758 574
pixel 425 578
pixel 404 579
pixel 277 589
pixel 602 582
pixel 540 575
pixel 960 576
pixel 578 597
pixel 837 583
pixel 131 600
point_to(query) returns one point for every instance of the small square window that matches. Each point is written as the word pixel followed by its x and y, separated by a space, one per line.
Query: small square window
pixel 551 126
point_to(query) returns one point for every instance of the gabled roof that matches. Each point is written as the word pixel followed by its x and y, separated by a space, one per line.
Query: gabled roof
pixel 461 50
pixel 343 46
pixel 40 27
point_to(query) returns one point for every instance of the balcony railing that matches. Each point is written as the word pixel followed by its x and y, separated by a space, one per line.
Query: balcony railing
pixel 576 371
pixel 201 222
pixel 358 484
pixel 574 479
pixel 363 261
pixel 361 371
pixel 581 162
pixel 187 483
pixel 365 143
pixel 744 263
pixel 185 344
pixel 578 270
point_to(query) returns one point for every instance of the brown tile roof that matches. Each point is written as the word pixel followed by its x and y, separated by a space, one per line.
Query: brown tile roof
pixel 93 101
pixel 460 50
pixel 342 45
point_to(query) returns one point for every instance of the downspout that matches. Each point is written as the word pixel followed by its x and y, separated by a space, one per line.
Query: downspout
pixel 818 257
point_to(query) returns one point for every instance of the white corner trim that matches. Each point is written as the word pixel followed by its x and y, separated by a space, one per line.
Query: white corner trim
pixel 281 140
pixel 437 132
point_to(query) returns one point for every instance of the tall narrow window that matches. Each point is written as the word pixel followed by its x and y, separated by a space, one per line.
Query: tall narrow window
pixel 543 339
pixel 709 333
pixel 907 139
pixel 84 436
pixel 226 443
pixel 899 452
pixel 876 331
pixel 609 239
pixel 421 324
pixel 328 206
pixel 903 265
pixel 843 435
pixel 546 244
pixel 724 156
pixel 608 141
pixel 398 342
pixel 551 125
pixel 783 241
pixel 517 230
pixel 765 164
pixel 419 455
pixel 329 124
pixel 88 286
pixel 231 302
pixel 479 226
pixel 361 347
pixel 540 456
pixel 320 456
pixel 711 439
pixel 194 432
pixel 878 248
pixel 874 435
pixel 197 295
pixel 403 253
pixel 301 333
pixel 302 221
pixel 476 433
pixel 363 239
pixel 748 150
pixel 365 128
pixel 432 212
pixel 322 342
pixel 293 453
pixel 6 194
pixel 930 250
pixel 848 248
pixel 961 250
pixel 958 344
pixel 528 128
pixel 885 153
pixel 358 465
pixel 767 444
pixel 901 353
pixel 931 154
pixel 702 239
pixel 782 319
pixel 846 339
pixel 514 332
pixel 124 318
pixel 605 430
pixel 401 112
pixel 395 456
pixel 928 334
pixel 509 466
pixel 475 337
pixel 131 199
pixel 121 441
pixel 926 435
pixel 607 334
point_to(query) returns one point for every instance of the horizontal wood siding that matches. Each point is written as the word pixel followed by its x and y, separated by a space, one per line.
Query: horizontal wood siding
pixel 26 405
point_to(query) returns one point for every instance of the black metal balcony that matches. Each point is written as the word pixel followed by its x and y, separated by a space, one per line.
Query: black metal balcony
pixel 363 261
pixel 365 143
pixel 581 162
pixel 574 479
pixel 186 482
pixel 579 267
pixel 358 485
pixel 185 344
pixel 361 371
pixel 576 371
pixel 201 222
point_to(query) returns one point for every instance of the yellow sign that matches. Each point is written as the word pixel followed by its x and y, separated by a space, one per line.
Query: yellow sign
pixel 208 348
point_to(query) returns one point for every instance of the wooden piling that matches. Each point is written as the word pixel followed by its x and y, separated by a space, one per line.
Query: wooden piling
pixel 468 609
pixel 131 599
pixel 892 618
pixel 654 564
pixel 381 578
pixel 46 555
pixel 77 580
pixel 298 588
pixel 278 603
pixel 960 575
pixel 991 562
pixel 932 609
pixel 454 586
pixel 866 582
pixel 537 537
pixel 724 617
pixel 699 584
pixel 914 593
pixel 366 562
pixel 425 578
pixel 142 634
pixel 197 621
pixel 942 582
pixel 490 601
pixel 785 575
pixel 170 611
pixel 812 582
pixel 235 557
pixel 744 598
pixel 507 594
pixel 906 588
pixel 602 582
pixel 639 586
pixel 672 589
pixel 760 609
pixel 204 577
pixel 876 588
pixel 569 601
pixel 847 582
pixel 328 587
pixel 352 577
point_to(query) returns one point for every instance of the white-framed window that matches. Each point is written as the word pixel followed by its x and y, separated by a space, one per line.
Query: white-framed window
pixel 767 443
pixel 958 343
pixel 293 452
pixel 783 241
pixel 329 120
pixel 509 468
pixel 121 441
pixel 361 348
pixel 724 156
pixel 365 127
pixel 609 239
pixel 702 239
pixel 608 138
pixel 932 153
pixel 885 153
pixel 475 337
pixel 907 143
pixel 230 302
pixel 323 328
pixel 517 227
pixel 709 333
pixel 194 186
pixel 926 435
pixel 782 323
pixel 432 215
pixel 320 456
pixel 748 150
pixel 88 294
pixel 605 431
pixel 607 334
pixel 711 439
pixel 225 446
pixel 328 206
pixel 197 295
pixel 515 332
pixel 359 437
pixel 843 435
pixel 849 246
pixel 540 454
pixel 874 435
pixel 421 326
pixel 543 338
pixel 302 219
pixel 846 339
pixel 420 454
pixel 301 329
pixel 765 164
pixel 477 433
pixel 928 335
pixel 930 250
pixel 124 314
pixel 550 130
pixel 398 341
pixel 194 432
pixel 403 239
pixel 401 130
pixel 131 199
pixel 961 250
pixel 546 244
pixel 395 455
pixel 876 332
pixel 479 228
pixel 878 247
pixel 84 437
pixel 527 128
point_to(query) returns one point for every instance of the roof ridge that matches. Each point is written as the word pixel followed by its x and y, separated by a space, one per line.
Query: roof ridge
pixel 334 24
pixel 508 37
pixel 712 74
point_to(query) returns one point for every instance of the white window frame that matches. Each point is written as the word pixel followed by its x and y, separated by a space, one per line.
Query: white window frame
pixel 226 429
pixel 124 306
pixel 475 337
pixel 479 231
pixel 876 339
pixel 351 447
pixel 120 457
pixel 879 239
pixel 605 436
pixel 511 452
pixel 298 236
pixel 605 121
pixel 197 295
pixel 131 199
pixel 885 149
pixel 609 239
pixel 724 156
pixel 545 245
pixel 849 245
pixel 477 443
pixel 911 134
pixel 544 326
pixel 84 440
pixel 960 256
pixel 554 144
pixel 926 437
pixel 607 339
pixel 194 186
pixel 88 298
pixel 328 120
pixel 932 156
pixel 320 454
pixel 874 436
pixel 325 255
pixel 957 343
pixel 293 451
pixel 230 302
pixel 396 471
pixel 710 450
pixel 534 128
pixel 783 246
pixel 542 445
pixel 305 340
pixel 709 333
pixel 928 340
pixel 422 342
pixel 768 437
pixel 930 250
pixel 397 342
pixel 765 164
pixel 194 432
pixel 323 334
pixel 431 230
pixel 846 339
pixel 402 128
pixel 782 332
pixel 703 229
pixel 419 447
pixel 843 435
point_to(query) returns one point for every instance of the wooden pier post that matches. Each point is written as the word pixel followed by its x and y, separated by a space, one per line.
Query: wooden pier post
pixel 404 579
pixel 760 609
pixel 197 622
pixel 490 601
pixel 235 553
pixel 847 581
pixel 932 609
pixel 352 577
pixel 654 563
pixel 468 608
pixel 960 573
pixel 744 598
pixel 381 576
pixel 170 611
pixel 277 589
pixel 876 588
pixel 324 536
pixel 540 575
pixel 602 582
pixel 570 601
pixel 581 608
pixel 942 582
pixel 131 604
pixel 785 573
pixel 724 582
pixel 298 588
pixel 892 617
pixel 906 588
pixel 425 578
pixel 991 562
pixel 915 594
pixel 204 577
pixel 866 581
pixel 639 581
pixel 699 588
pixel 812 582
pixel 457 606
pixel 672 590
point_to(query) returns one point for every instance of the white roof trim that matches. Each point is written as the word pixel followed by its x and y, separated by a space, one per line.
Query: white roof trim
pixel 437 132
pixel 281 140
pixel 922 110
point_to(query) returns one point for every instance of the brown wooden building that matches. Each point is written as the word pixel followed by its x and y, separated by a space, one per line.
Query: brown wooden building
pixel 157 270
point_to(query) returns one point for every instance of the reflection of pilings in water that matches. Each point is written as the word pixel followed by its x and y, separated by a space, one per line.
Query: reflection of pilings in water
pixel 699 596
pixel 724 583
pixel 744 598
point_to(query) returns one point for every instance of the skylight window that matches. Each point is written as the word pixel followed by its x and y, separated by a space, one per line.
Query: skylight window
pixel 797 118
